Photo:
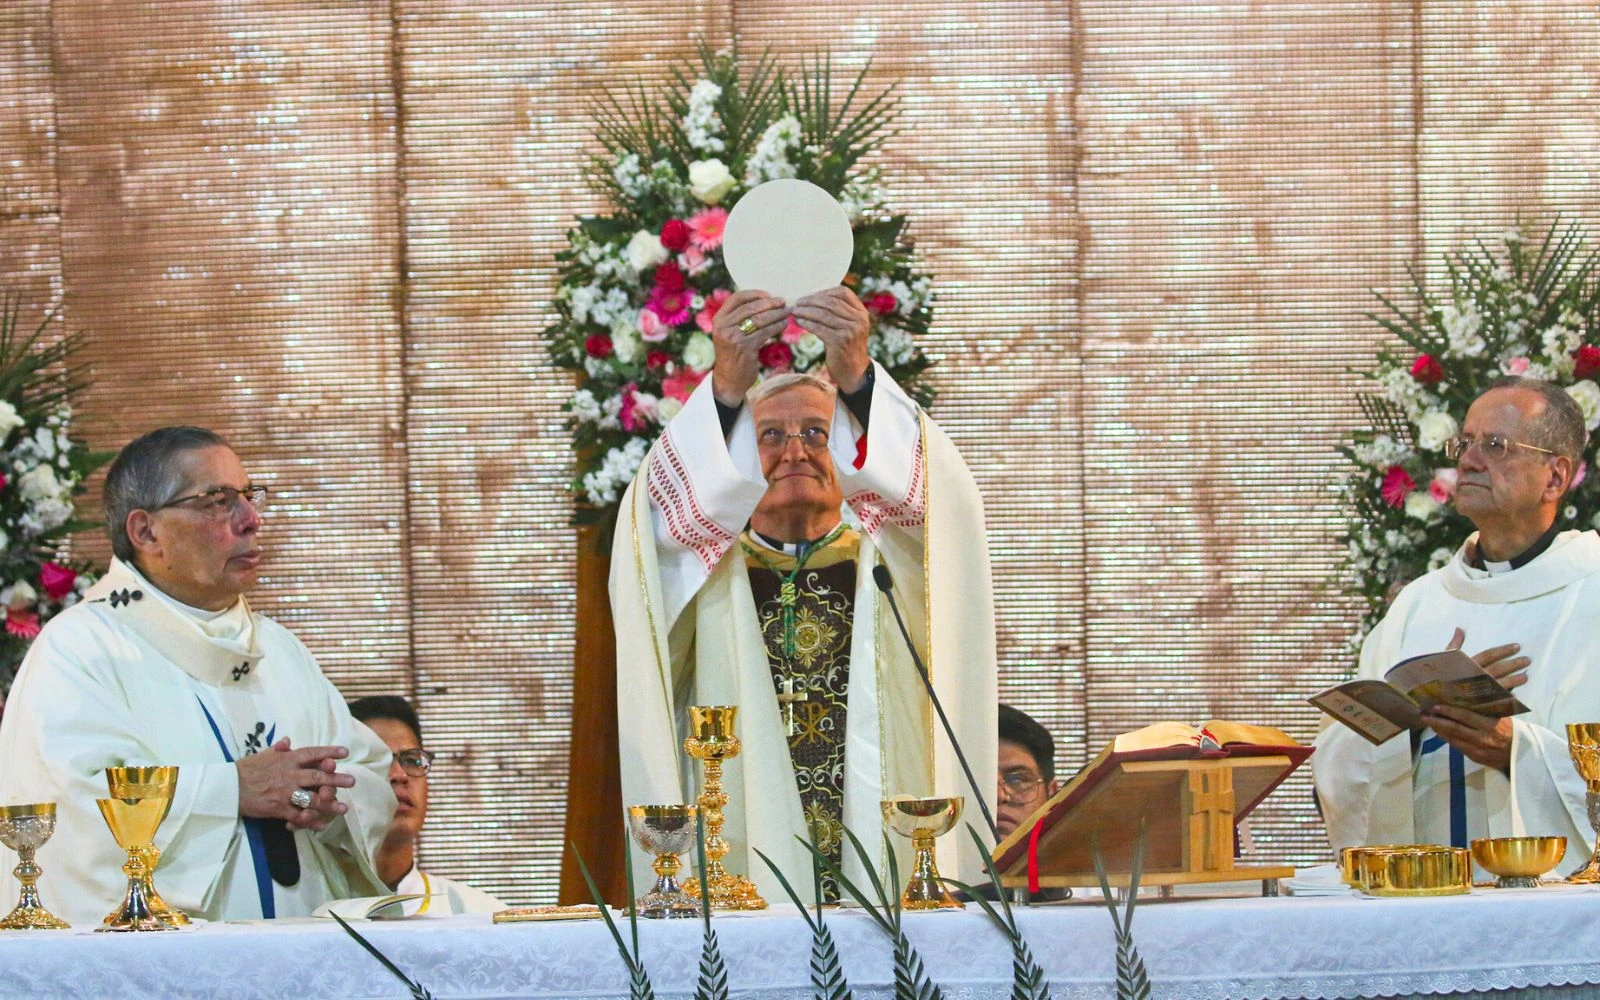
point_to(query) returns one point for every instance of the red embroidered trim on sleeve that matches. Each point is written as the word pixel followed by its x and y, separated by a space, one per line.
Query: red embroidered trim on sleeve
pixel 874 511
pixel 672 493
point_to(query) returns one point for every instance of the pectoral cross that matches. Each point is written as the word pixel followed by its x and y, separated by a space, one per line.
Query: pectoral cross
pixel 786 700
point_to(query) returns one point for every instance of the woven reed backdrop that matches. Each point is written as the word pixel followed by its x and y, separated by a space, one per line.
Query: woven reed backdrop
pixel 326 229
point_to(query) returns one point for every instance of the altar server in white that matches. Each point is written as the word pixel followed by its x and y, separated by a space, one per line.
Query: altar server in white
pixel 282 798
pixel 1526 594
pixel 737 581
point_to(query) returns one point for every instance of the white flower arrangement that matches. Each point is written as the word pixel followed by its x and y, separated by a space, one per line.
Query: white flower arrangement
pixel 1516 306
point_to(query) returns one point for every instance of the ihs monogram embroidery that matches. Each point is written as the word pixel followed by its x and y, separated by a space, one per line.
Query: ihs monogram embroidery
pixel 241 670
pixel 252 742
pixel 120 597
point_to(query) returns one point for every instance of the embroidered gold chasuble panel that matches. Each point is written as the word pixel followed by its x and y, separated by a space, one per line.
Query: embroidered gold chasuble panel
pixel 805 620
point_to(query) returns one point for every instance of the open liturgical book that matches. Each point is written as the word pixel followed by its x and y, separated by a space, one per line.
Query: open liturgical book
pixel 1185 786
pixel 1381 710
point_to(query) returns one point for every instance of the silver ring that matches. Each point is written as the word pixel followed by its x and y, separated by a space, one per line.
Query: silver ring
pixel 301 798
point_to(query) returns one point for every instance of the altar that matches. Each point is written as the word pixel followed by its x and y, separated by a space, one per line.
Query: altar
pixel 1543 942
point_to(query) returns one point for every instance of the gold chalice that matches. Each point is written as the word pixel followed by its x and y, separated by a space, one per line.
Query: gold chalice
pixel 713 742
pixel 1583 743
pixel 666 832
pixel 24 829
pixel 922 820
pixel 141 797
pixel 1517 862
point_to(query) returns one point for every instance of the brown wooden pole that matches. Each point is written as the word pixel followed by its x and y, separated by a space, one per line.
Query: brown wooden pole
pixel 594 776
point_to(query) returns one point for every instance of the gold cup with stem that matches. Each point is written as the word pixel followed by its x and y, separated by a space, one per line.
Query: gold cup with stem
pixel 1583 744
pixel 712 741
pixel 24 829
pixel 141 798
pixel 923 819
pixel 665 831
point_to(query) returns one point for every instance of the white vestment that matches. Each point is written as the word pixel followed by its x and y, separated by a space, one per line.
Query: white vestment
pixel 442 897
pixel 688 633
pixel 1551 606
pixel 128 677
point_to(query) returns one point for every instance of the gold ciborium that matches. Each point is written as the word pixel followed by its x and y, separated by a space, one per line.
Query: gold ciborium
pixel 140 799
pixel 24 829
pixel 922 820
pixel 1517 862
pixel 1583 743
pixel 666 832
pixel 712 741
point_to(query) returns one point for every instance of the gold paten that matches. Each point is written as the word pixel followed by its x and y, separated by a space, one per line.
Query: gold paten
pixel 141 797
pixel 1583 744
pixel 922 820
pixel 1517 862
pixel 1414 870
pixel 24 829
pixel 666 832
pixel 526 914
pixel 713 742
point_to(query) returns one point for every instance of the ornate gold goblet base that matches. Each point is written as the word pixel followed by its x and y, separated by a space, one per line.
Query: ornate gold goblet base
pixel 23 829
pixel 163 910
pixel 727 892
pixel 923 820
pixel 134 914
pixel 713 742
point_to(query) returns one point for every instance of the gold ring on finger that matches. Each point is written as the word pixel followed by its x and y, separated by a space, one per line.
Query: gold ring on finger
pixel 747 326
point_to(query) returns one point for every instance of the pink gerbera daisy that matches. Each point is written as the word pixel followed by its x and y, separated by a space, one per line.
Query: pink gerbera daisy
pixel 706 226
pixel 21 623
pixel 1397 484
pixel 671 306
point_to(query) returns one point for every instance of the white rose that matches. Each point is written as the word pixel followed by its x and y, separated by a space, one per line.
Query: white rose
pixel 709 180
pixel 1587 395
pixel 1420 505
pixel 1434 429
pixel 668 408
pixel 21 595
pixel 645 250
pixel 39 483
pixel 624 343
pixel 9 421
pixel 700 353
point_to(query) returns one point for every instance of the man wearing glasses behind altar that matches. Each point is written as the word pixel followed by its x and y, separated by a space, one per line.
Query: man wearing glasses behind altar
pixel 282 798
pixel 1522 595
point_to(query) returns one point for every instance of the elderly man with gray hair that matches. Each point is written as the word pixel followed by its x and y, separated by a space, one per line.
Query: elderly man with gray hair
pixel 743 575
pixel 282 799
pixel 1526 595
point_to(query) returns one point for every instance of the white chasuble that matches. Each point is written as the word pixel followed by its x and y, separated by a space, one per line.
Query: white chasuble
pixel 130 678
pixel 1387 795
pixel 688 633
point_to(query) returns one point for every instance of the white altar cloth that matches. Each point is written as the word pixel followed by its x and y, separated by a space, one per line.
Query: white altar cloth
pixel 1248 948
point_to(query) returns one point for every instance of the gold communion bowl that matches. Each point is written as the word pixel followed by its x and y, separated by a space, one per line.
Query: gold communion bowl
pixel 1517 862
pixel 1414 870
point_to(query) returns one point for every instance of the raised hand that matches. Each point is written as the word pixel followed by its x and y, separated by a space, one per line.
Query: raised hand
pixel 268 781
pixel 842 323
pixel 744 324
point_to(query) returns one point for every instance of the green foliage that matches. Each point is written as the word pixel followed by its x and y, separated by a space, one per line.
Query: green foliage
pixel 418 992
pixel 827 975
pixel 639 987
pixel 1132 981
pixel 712 983
pixel 1027 977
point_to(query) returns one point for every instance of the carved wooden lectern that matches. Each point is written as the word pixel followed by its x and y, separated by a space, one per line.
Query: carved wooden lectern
pixel 1187 788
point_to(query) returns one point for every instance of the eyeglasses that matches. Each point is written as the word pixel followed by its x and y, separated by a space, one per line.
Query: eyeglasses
pixel 1493 446
pixel 1020 785
pixel 223 502
pixel 812 438
pixel 416 762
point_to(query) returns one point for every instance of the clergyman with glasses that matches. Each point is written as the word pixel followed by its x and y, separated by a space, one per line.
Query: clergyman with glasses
pixel 1523 596
pixel 738 579
pixel 282 798
pixel 395 722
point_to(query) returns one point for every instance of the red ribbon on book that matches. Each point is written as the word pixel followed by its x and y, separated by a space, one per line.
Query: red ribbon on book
pixel 1033 857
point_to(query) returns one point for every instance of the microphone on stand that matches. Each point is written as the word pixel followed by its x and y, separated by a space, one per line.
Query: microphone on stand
pixel 885 582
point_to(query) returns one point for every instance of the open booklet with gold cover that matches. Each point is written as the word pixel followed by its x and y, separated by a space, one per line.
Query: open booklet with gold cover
pixel 1186 786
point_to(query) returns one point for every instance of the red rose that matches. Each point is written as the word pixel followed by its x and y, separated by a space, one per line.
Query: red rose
pixel 57 580
pixel 881 303
pixel 598 346
pixel 669 278
pixel 657 359
pixel 675 235
pixel 1397 484
pixel 3 481
pixel 1428 370
pixel 1588 362
pixel 776 356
